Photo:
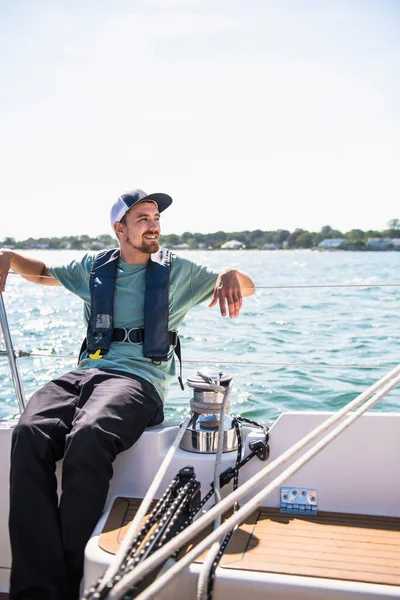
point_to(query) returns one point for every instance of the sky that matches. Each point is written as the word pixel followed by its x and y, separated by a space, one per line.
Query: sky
pixel 251 114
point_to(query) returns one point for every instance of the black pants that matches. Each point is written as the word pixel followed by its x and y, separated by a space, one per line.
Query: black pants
pixel 87 417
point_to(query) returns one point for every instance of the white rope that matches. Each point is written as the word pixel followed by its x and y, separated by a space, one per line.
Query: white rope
pixel 267 287
pixel 23 354
pixel 220 446
pixel 336 285
pixel 205 407
pixel 144 506
pixel 253 504
pixel 283 364
pixel 193 530
pixel 202 586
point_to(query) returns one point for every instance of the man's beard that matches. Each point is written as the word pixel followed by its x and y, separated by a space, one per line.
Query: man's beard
pixel 147 246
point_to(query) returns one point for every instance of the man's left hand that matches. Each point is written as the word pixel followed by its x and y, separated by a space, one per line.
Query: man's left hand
pixel 228 291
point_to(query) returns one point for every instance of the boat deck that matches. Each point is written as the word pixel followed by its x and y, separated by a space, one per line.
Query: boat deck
pixel 341 546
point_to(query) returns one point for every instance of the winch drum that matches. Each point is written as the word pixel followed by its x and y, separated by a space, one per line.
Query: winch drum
pixel 209 389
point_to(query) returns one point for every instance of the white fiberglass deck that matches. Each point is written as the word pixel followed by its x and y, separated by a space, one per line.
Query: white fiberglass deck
pixel 356 474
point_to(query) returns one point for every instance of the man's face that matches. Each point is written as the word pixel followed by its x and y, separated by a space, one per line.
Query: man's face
pixel 142 227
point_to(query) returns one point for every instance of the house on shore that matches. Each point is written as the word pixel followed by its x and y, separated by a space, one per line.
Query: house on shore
pixel 182 246
pixel 378 244
pixel 332 244
pixel 395 244
pixel 233 245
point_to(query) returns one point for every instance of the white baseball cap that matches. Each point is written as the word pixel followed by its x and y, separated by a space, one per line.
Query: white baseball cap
pixel 129 199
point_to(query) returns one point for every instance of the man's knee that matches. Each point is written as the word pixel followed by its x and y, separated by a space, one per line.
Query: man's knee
pixel 89 440
pixel 38 438
pixel 26 433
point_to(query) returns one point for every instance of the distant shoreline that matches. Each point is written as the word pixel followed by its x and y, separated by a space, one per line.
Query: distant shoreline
pixel 322 250
pixel 281 239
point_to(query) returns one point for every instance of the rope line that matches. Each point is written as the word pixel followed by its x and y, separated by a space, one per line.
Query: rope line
pixel 271 287
pixel 206 571
pixel 24 354
pixel 282 364
pixel 336 285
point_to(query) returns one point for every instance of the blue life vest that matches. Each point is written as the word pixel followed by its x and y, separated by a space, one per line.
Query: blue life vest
pixel 156 343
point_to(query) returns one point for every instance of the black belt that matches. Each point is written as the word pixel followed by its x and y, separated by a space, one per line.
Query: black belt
pixel 136 336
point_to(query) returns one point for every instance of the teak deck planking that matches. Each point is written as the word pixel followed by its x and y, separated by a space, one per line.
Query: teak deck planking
pixel 342 546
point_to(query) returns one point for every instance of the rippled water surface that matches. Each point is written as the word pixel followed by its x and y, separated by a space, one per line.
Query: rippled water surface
pixel 301 344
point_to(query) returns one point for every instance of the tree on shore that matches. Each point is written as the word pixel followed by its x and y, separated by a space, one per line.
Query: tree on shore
pixel 355 239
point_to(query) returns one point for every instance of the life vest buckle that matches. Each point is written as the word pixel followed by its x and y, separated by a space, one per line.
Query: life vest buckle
pixel 98 354
pixel 173 338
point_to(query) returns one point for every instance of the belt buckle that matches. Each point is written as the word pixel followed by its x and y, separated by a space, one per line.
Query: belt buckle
pixel 136 341
pixel 125 334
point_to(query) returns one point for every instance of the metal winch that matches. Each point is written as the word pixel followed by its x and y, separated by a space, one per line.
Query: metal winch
pixel 211 391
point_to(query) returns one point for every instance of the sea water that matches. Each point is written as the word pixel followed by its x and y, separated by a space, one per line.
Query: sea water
pixel 301 342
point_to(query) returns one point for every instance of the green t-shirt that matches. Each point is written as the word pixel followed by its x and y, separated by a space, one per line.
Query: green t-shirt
pixel 190 284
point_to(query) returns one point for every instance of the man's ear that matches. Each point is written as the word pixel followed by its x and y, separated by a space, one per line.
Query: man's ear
pixel 118 228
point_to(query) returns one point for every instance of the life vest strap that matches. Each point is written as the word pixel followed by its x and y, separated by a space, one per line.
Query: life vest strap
pixel 136 336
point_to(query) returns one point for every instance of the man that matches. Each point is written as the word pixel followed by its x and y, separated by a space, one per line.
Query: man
pixel 135 299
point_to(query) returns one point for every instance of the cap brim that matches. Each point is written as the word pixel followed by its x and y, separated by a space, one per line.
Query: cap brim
pixel 162 200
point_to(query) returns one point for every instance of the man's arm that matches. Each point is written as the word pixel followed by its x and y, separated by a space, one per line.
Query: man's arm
pixel 231 287
pixel 30 268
